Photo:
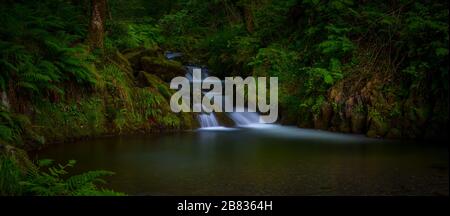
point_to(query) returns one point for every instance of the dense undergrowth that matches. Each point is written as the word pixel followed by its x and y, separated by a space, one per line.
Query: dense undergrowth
pixel 19 176
pixel 55 89
pixel 374 67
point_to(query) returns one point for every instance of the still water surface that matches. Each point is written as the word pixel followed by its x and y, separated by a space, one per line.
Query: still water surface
pixel 261 160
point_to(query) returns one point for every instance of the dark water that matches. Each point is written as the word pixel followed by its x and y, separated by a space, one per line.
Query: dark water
pixel 261 161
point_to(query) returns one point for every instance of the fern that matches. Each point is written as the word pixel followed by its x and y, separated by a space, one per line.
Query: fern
pixel 52 182
pixel 37 52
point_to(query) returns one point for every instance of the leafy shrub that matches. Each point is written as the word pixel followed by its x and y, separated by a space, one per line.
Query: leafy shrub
pixel 37 49
pixel 14 180
pixel 129 35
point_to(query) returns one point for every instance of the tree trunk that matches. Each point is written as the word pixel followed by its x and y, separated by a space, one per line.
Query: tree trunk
pixel 248 16
pixel 97 25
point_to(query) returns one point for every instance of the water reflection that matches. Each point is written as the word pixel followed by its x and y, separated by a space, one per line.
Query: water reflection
pixel 261 160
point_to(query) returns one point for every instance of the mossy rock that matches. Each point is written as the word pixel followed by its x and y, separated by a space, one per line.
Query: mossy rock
pixel 189 121
pixel 224 120
pixel 123 64
pixel 134 55
pixel 150 80
pixel 163 68
pixel 287 116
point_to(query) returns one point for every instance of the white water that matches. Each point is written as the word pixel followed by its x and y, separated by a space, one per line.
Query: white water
pixel 206 120
pixel 209 120
pixel 244 118
pixel 172 55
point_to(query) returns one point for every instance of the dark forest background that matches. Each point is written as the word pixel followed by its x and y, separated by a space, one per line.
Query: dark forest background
pixel 79 68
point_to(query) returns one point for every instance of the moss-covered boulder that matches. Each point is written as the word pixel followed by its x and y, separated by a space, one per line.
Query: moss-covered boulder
pixel 161 67
pixel 146 79
pixel 134 55
pixel 189 121
pixel 121 62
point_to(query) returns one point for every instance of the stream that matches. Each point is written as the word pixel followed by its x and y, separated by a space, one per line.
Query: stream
pixel 260 159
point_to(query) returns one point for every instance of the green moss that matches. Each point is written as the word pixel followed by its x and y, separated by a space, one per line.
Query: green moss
pixel 66 120
pixel 163 68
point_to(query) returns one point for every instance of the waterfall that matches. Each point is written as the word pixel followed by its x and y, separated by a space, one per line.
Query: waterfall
pixel 206 120
pixel 209 120
pixel 4 100
pixel 244 118
pixel 171 55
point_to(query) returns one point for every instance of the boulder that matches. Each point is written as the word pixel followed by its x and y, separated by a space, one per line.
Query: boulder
pixel 224 120
pixel 134 55
pixel 119 60
pixel 146 79
pixel 189 121
pixel 161 67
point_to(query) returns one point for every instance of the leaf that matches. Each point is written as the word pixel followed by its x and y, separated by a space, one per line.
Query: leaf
pixel 45 162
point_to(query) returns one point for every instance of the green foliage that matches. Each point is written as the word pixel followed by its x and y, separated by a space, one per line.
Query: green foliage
pixel 38 51
pixel 14 180
pixel 10 176
pixel 130 35
pixel 311 45
pixel 65 120
pixel 16 128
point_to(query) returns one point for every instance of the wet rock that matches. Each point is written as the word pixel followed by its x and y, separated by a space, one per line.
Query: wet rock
pixel 189 121
pixel 224 120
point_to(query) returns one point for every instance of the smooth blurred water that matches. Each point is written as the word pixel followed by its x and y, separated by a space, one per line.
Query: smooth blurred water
pixel 261 159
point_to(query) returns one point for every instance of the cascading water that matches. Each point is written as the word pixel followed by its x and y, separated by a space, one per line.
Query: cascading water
pixel 209 120
pixel 171 55
pixel 244 118
pixel 206 120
